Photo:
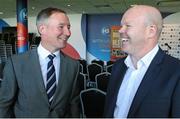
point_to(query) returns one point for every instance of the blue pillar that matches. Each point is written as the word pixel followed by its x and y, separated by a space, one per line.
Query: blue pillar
pixel 22 26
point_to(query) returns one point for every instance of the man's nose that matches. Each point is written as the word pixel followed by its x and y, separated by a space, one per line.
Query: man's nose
pixel 67 32
pixel 122 29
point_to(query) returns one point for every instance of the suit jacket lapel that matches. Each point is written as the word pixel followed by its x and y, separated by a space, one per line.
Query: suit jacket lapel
pixel 119 75
pixel 146 83
pixel 119 70
pixel 37 77
pixel 62 71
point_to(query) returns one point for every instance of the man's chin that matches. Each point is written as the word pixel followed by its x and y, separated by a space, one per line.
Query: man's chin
pixel 124 50
pixel 62 46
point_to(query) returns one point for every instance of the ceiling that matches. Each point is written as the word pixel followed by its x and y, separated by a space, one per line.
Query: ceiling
pixel 8 7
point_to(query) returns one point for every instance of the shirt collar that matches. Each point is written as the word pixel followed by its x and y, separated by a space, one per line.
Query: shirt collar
pixel 146 60
pixel 149 57
pixel 43 53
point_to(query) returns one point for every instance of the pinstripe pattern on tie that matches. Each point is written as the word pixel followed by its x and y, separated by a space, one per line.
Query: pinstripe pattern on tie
pixel 51 79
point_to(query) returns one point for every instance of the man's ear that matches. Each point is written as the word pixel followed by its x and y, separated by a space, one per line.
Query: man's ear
pixel 42 28
pixel 152 30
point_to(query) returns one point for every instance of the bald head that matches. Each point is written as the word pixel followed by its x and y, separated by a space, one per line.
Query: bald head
pixel 151 15
pixel 140 31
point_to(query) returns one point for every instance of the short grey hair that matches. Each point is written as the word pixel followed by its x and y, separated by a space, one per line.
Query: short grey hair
pixel 46 13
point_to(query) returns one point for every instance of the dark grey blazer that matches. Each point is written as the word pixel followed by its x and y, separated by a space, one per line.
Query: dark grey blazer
pixel 23 94
pixel 158 94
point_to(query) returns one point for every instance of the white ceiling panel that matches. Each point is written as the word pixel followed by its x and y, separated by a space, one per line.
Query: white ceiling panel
pixel 8 7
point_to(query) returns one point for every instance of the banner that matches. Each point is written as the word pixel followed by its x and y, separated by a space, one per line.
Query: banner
pixel 116 51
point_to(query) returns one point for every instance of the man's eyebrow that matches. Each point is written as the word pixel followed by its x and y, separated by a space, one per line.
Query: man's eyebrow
pixel 64 24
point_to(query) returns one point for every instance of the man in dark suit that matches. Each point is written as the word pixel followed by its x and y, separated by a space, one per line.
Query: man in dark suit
pixel 29 87
pixel 147 82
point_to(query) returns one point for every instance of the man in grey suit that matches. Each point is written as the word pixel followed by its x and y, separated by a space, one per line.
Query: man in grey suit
pixel 29 87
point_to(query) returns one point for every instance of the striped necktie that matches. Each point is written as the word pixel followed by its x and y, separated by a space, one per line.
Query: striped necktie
pixel 51 79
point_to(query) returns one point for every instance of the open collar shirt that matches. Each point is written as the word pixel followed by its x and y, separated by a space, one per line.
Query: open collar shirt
pixel 131 82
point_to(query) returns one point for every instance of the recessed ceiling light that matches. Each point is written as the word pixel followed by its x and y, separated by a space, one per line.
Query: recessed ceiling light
pixel 133 5
pixel 68 5
pixel 1 13
pixel 33 7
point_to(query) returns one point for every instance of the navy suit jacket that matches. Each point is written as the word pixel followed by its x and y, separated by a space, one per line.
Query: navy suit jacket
pixel 158 94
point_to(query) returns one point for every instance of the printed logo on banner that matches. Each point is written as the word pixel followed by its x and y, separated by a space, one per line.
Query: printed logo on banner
pixel 105 31
pixel 23 14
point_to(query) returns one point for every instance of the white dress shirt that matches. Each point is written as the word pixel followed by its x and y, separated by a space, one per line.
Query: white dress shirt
pixel 43 59
pixel 131 82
